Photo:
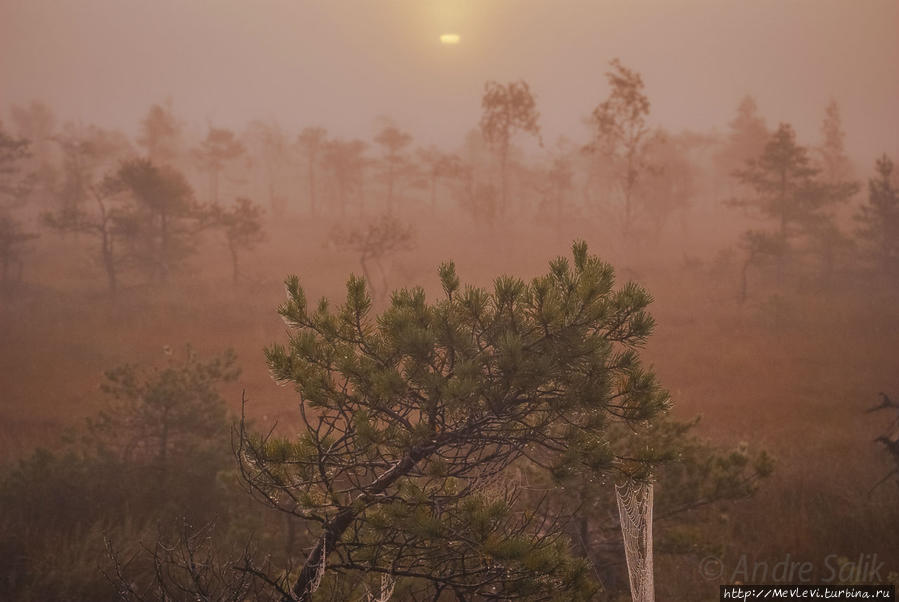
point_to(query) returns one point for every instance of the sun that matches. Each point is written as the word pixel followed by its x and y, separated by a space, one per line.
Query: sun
pixel 449 39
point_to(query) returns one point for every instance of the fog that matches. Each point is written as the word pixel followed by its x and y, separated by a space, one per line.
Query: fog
pixel 428 300
pixel 341 64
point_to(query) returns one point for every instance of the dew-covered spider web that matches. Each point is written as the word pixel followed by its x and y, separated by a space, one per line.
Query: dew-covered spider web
pixel 388 582
pixel 635 511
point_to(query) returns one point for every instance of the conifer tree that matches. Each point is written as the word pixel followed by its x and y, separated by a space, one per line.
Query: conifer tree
pixel 746 137
pixel 835 165
pixel 789 192
pixel 164 200
pixel 218 148
pixel 242 227
pixel 160 133
pixel 878 220
pixel 416 422
pixel 111 223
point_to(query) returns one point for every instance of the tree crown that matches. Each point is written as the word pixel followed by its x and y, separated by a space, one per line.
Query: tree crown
pixel 415 418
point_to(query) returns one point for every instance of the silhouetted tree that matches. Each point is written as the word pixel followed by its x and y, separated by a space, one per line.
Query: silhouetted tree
pixel 242 226
pixel 37 123
pixel 787 190
pixel 165 236
pixel 272 149
pixel 395 164
pixel 112 223
pixel 475 194
pixel 13 239
pixel 746 138
pixel 438 165
pixel 620 132
pixel 346 162
pixel 373 242
pixel 835 164
pixel 15 182
pixel 218 148
pixel 508 108
pixel 160 133
pixel 168 415
pixel 669 181
pixel 87 153
pixel 311 142
pixel 878 220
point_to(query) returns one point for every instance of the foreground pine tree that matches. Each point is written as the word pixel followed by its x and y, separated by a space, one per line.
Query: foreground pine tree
pixel 425 425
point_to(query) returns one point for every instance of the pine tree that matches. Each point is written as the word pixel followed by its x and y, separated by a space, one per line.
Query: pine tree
pixel 218 148
pixel 746 137
pixel 878 220
pixel 417 421
pixel 165 235
pixel 835 165
pixel 242 227
pixel 160 134
pixel 789 192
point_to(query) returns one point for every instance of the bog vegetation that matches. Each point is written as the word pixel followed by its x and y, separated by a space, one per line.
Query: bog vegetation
pixel 436 435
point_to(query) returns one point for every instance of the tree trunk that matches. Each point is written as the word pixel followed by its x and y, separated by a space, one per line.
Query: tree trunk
pixel 333 530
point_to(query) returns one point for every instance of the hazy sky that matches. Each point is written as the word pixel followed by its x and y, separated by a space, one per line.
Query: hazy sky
pixel 343 63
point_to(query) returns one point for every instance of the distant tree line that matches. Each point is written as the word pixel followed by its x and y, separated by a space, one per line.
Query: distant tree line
pixel 136 200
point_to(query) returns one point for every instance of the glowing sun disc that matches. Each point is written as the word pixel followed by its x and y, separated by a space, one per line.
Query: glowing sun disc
pixel 450 38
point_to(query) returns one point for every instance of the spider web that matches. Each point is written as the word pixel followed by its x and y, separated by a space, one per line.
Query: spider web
pixel 635 511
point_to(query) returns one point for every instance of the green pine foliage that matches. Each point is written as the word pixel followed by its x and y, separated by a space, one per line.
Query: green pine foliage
pixel 417 420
